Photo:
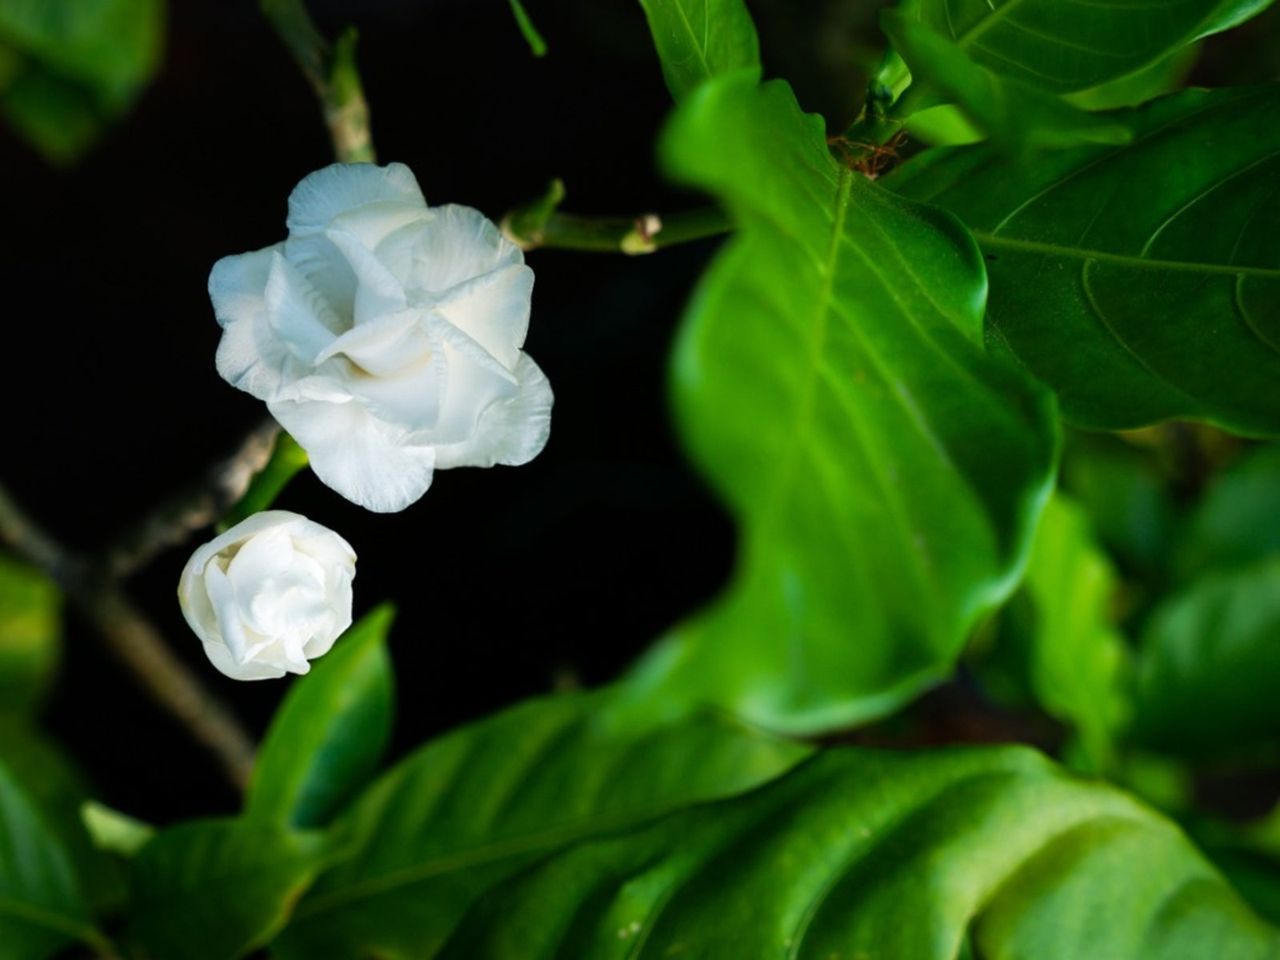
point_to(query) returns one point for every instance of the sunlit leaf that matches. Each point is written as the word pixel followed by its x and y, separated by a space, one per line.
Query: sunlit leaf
pixel 830 382
pixel 866 854
pixel 477 806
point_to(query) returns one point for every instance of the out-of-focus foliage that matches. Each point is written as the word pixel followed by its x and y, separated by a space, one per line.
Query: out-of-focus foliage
pixel 69 68
pixel 30 637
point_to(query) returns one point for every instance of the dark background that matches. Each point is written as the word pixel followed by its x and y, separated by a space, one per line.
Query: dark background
pixel 509 581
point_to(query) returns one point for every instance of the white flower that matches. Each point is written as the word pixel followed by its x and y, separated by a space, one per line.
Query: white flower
pixel 268 595
pixel 385 337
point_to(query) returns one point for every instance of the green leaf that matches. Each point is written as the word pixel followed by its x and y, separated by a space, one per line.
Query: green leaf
pixel 217 889
pixel 329 734
pixel 1140 282
pixel 701 39
pixel 1237 521
pixel 1018 117
pixel 59 790
pixel 114 831
pixel 537 46
pixel 866 854
pixel 1210 666
pixel 1064 46
pixel 1162 77
pixel 41 904
pixel 80 65
pixel 478 805
pixel 1127 495
pixel 829 381
pixel 30 635
pixel 1079 662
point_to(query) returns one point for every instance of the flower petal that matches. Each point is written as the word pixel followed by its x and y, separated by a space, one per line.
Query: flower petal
pixel 457 244
pixel 221 658
pixel 342 187
pixel 388 345
pixel 493 310
pixel 378 292
pixel 297 313
pixel 251 357
pixel 359 456
pixel 512 431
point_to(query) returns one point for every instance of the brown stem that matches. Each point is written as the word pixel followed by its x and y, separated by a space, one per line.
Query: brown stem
pixel 198 506
pixel 133 638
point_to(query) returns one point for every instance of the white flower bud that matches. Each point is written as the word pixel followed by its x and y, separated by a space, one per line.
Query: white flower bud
pixel 385 337
pixel 268 595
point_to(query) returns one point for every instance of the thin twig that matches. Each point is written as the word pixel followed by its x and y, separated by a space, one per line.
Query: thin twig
pixel 133 638
pixel 198 506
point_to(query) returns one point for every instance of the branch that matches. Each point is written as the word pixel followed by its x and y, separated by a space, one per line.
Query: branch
pixel 133 639
pixel 331 70
pixel 198 506
pixel 539 224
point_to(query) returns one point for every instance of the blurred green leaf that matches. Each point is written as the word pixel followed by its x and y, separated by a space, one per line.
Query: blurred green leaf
pixel 1064 47
pixel 59 790
pixel 1209 666
pixel 42 907
pixel 113 831
pixel 1079 665
pixel 217 889
pixel 330 732
pixel 830 381
pixel 701 39
pixel 862 853
pixel 1127 497
pixel 30 635
pixel 1019 118
pixel 1160 78
pixel 1140 282
pixel 481 804
pixel 77 66
pixel 1237 521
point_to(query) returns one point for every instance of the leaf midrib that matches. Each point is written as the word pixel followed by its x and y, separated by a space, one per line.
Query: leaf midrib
pixel 1120 259
pixel 698 48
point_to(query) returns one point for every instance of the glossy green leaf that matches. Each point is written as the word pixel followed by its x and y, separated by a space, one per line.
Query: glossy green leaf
pixel 867 854
pixel 1018 117
pixel 42 907
pixel 217 889
pixel 1210 665
pixel 330 732
pixel 829 381
pixel 1237 521
pixel 478 805
pixel 78 64
pixel 1140 282
pixel 1069 45
pixel 701 39
pixel 1079 662
pixel 30 635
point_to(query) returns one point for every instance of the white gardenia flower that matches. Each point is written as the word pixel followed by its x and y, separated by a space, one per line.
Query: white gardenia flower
pixel 268 595
pixel 385 336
